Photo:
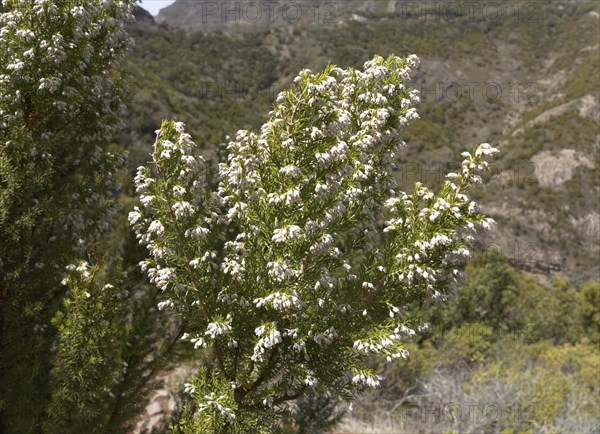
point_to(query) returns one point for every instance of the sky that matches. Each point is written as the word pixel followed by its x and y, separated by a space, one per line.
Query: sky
pixel 153 6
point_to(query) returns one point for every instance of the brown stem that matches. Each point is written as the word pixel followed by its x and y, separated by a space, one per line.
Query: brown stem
pixel 296 395
pixel 242 393
pixel 219 357
pixel 278 400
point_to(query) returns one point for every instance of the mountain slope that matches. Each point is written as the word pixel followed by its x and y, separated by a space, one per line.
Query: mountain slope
pixel 526 81
pixel 234 17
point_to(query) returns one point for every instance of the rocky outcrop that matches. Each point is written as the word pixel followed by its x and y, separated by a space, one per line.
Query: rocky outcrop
pixel 143 18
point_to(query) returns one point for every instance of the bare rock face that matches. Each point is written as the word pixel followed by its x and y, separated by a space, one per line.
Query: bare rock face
pixel 588 227
pixel 553 169
pixel 162 405
pixel 164 402
pixel 143 18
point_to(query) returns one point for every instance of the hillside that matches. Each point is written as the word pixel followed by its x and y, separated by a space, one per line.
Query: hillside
pixel 525 80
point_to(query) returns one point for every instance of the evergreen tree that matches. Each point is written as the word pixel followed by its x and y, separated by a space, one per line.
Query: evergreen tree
pixel 60 104
pixel 306 259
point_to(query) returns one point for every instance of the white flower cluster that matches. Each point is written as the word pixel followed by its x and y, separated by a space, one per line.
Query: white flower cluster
pixel 429 259
pixel 291 171
pixel 189 388
pixel 215 329
pixel 284 235
pixel 281 270
pixel 212 401
pixel 290 197
pixel 473 163
pixel 269 337
pixel 82 270
pixel 198 342
pixel 367 379
pixel 161 277
pixel 388 344
pixel 280 301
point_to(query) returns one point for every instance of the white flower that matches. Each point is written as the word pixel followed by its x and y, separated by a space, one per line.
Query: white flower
pixel 234 268
pixel 211 401
pixel 292 197
pixel 323 157
pixel 156 227
pixel 325 338
pixel 288 234
pixel 269 338
pixel 52 84
pixel 473 208
pixel 485 149
pixel 487 223
pixel 182 209
pixel 215 329
pixel 134 216
pixel 259 331
pixel 289 197
pixel 178 191
pixel 189 388
pixel 280 301
pixel 367 379
pixel 198 233
pixel 434 215
pixel 281 270
pixel 291 171
pixel 165 304
pixel 198 342
pixel 322 245
pixel 311 381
